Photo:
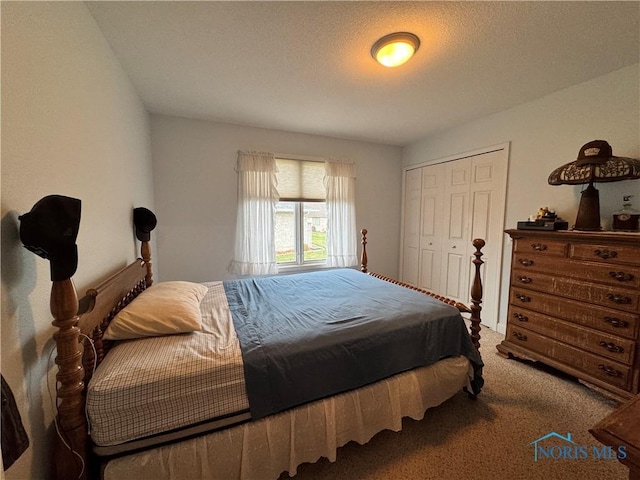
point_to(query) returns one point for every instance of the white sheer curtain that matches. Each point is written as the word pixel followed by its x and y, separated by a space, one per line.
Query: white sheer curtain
pixel 342 238
pixel 255 251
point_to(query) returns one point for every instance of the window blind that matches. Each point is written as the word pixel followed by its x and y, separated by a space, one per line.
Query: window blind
pixel 300 180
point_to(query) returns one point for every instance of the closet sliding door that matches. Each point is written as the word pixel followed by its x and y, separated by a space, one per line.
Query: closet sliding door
pixel 454 278
pixel 431 228
pixel 411 226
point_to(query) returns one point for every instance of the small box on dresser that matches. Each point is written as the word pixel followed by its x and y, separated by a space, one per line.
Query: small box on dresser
pixel 574 304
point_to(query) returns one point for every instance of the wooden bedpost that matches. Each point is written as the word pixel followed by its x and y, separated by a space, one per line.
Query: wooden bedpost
pixel 476 293
pixel 146 256
pixel 70 445
pixel 363 257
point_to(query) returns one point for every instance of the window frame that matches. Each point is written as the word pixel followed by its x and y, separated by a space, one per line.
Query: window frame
pixel 299 262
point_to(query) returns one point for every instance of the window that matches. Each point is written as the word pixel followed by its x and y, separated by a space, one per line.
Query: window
pixel 301 233
pixel 301 213
pixel 293 212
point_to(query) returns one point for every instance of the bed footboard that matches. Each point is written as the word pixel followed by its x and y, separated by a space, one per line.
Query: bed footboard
pixel 476 287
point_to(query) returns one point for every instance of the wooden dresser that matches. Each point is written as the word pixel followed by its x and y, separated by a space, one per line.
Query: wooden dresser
pixel 574 304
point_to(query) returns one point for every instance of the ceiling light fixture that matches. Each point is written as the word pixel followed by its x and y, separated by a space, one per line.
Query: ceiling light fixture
pixel 395 49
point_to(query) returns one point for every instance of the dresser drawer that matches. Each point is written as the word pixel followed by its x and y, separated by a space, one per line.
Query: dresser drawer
pixel 618 275
pixel 619 298
pixel 600 343
pixel 540 246
pixel 599 367
pixel 611 254
pixel 624 324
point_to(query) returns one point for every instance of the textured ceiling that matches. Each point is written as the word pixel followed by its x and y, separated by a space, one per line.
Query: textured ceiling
pixel 306 67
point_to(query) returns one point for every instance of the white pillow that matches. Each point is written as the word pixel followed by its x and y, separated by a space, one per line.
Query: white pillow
pixel 162 309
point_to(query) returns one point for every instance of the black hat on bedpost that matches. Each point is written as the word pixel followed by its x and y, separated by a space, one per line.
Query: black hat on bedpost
pixel 50 230
pixel 145 221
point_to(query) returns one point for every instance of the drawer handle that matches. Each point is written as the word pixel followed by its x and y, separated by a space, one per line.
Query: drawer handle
pixel 621 276
pixel 526 262
pixel 539 247
pixel 616 322
pixel 523 298
pixel 612 347
pixel 520 317
pixel 620 299
pixel 612 372
pixel 524 279
pixel 520 336
pixel 605 254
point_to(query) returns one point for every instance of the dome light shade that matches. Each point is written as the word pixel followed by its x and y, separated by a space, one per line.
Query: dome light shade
pixel 395 49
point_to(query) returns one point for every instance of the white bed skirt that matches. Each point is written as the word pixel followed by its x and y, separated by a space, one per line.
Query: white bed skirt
pixel 265 448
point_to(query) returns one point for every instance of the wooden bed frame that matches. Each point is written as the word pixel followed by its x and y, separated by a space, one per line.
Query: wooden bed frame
pixel 81 348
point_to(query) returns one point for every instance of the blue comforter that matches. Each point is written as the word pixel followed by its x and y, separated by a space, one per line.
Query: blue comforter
pixel 308 336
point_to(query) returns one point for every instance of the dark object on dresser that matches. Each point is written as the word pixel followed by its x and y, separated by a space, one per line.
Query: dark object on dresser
pixel 574 304
pixel 542 224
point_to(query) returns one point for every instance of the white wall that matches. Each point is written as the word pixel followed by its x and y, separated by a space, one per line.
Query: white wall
pixel 72 125
pixel 196 191
pixel 545 134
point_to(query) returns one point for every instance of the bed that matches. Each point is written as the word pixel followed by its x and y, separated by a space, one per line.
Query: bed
pixel 280 371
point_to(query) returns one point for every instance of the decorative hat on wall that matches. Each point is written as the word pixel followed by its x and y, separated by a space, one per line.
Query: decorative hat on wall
pixel 50 230
pixel 595 163
pixel 145 221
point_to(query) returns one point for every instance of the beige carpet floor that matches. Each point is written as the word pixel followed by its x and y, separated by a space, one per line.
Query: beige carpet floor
pixel 490 438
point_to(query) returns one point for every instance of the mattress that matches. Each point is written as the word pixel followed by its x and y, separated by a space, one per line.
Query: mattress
pixel 150 386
